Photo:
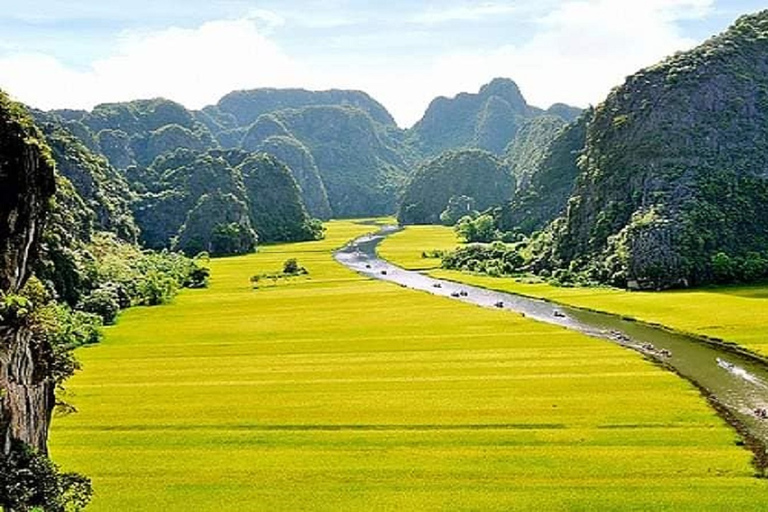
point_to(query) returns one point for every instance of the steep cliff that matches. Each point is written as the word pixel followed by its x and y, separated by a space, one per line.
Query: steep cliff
pixel 675 170
pixel 26 186
pixel 545 164
pixel 529 146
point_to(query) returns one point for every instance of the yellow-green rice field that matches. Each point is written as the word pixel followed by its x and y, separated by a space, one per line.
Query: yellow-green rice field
pixel 735 314
pixel 338 392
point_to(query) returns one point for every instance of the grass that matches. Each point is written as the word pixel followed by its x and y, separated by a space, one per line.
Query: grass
pixel 341 393
pixel 735 314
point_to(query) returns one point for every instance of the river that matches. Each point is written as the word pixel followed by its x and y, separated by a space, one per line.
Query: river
pixel 736 384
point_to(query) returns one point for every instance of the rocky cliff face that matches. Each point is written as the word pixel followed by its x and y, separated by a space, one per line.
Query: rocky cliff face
pixel 675 168
pixel 545 165
pixel 26 186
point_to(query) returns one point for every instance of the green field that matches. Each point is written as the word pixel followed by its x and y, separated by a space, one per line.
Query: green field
pixel 342 393
pixel 736 314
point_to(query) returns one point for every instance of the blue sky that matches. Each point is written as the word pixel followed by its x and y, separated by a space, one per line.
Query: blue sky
pixel 78 53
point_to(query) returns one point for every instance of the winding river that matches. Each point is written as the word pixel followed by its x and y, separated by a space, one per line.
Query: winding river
pixel 736 384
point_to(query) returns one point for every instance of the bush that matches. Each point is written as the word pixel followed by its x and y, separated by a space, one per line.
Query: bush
pixel 65 330
pixel 157 288
pixel 29 480
pixel 198 278
pixel 102 301
pixel 291 266
pixel 497 259
pixel 481 229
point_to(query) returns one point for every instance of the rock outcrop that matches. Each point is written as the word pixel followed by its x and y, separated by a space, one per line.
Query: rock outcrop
pixel 26 186
pixel 675 169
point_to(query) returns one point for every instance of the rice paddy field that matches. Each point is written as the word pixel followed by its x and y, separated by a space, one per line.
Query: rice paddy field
pixel 336 392
pixel 737 314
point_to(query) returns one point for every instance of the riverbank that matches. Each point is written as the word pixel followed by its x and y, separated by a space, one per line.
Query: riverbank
pixel 735 384
pixel 732 314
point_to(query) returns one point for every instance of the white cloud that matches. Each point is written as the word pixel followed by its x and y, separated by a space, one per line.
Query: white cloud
pixel 580 50
pixel 192 66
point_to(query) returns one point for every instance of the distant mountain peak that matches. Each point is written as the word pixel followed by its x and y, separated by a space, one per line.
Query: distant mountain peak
pixel 505 88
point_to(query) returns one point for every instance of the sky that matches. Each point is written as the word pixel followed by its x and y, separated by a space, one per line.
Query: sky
pixel 404 53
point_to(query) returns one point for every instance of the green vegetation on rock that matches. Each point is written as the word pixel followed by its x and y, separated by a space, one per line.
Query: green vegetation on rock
pixel 487 120
pixel 476 174
pixel 526 151
pixel 276 210
pixel 674 168
pixel 547 167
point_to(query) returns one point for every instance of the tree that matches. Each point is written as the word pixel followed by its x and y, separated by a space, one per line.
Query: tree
pixel 482 229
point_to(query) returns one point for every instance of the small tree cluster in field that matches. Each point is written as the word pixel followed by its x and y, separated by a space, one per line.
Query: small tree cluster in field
pixel 291 268
pixel 434 253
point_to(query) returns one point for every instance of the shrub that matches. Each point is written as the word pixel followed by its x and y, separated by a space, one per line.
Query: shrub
pixel 291 266
pixel 102 301
pixel 29 480
pixel 157 288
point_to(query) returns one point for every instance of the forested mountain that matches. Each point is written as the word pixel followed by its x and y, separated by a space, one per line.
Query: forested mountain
pixel 566 112
pixel 454 184
pixel 674 180
pixel 487 120
pixel 137 132
pixel 243 108
pixel 105 191
pixel 361 163
pixel 343 147
pixel 264 198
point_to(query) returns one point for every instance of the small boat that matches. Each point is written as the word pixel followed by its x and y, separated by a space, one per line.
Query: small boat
pixel 559 314
pixel 499 304
pixel 725 364
pixel 437 285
